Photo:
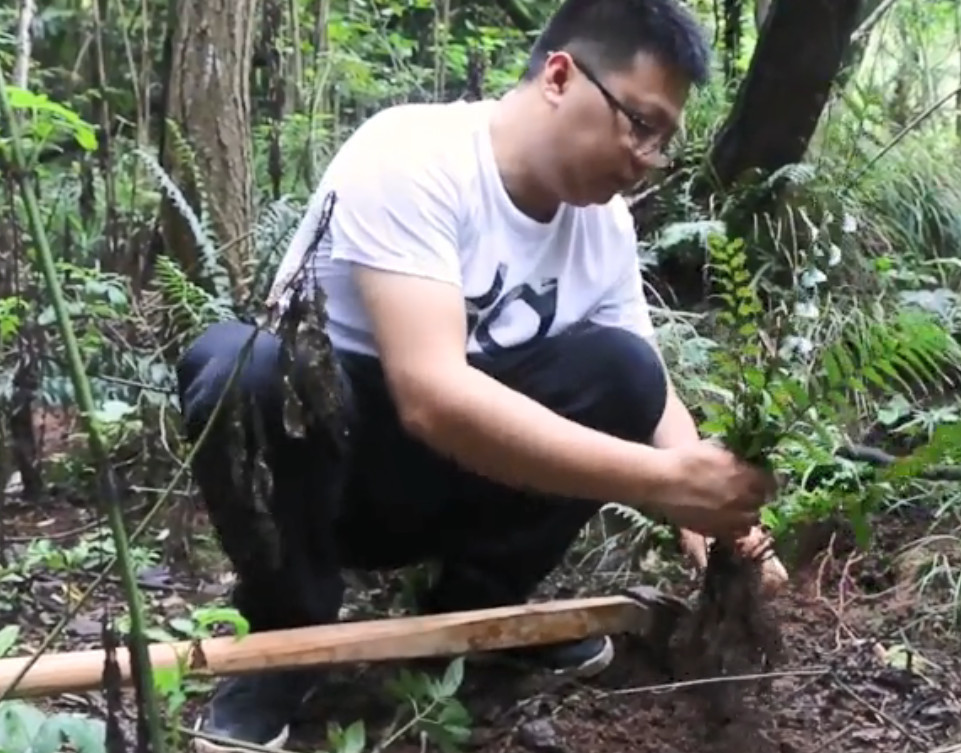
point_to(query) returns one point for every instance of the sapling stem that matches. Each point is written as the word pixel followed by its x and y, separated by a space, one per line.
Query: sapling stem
pixel 84 398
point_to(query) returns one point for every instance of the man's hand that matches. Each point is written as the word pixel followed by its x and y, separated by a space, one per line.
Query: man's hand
pixel 713 492
pixel 757 545
pixel 754 546
pixel 694 545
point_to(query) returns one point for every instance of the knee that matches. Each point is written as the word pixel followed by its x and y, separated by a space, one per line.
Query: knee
pixel 630 381
pixel 205 368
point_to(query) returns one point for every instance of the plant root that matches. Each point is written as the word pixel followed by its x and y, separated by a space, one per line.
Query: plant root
pixel 730 631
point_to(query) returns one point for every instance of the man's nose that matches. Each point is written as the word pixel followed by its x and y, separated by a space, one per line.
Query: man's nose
pixel 655 160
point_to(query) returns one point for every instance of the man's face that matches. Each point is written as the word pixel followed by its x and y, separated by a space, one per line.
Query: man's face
pixel 610 128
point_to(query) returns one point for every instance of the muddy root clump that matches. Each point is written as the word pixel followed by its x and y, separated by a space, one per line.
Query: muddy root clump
pixel 730 631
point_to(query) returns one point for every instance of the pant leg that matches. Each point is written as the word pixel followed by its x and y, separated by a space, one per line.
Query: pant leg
pixel 271 497
pixel 398 487
pixel 498 544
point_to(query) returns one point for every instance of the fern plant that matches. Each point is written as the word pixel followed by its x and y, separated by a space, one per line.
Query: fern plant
pixel 791 379
pixel 190 308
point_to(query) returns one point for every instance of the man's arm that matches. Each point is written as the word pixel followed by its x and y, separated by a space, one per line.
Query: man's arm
pixel 677 426
pixel 395 224
pixel 487 427
pixel 465 414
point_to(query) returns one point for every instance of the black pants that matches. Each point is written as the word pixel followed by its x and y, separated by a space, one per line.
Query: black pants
pixel 391 501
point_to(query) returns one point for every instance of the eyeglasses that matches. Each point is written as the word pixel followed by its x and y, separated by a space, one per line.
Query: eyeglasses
pixel 647 138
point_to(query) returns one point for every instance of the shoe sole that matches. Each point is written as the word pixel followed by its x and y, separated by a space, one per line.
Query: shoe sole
pixel 593 666
pixel 203 745
pixel 590 668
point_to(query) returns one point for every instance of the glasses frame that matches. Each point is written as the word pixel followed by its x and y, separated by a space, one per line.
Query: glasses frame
pixel 647 138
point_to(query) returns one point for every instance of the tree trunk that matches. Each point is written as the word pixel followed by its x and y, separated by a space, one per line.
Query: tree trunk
pixel 780 101
pixel 209 101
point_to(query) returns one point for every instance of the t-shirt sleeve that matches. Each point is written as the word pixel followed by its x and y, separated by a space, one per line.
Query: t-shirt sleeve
pixel 397 212
pixel 625 304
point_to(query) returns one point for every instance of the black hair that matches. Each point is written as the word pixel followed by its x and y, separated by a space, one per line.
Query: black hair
pixel 608 34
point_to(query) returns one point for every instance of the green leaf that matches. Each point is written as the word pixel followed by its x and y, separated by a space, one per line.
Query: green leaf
pixel 453 677
pixel 8 638
pixel 208 617
pixel 19 725
pixel 354 739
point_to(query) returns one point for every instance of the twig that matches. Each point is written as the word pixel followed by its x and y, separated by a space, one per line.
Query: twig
pixel 902 133
pixel 71 532
pixel 871 21
pixel 843 601
pixel 877 712
pixel 671 686
pixel 828 557
pixel 833 738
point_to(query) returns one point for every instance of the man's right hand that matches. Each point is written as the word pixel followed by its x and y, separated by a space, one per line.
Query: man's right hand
pixel 710 491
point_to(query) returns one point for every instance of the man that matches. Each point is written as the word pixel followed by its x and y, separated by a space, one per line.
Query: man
pixel 488 321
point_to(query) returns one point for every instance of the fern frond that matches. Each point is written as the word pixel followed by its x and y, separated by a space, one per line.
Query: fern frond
pixel 200 227
pixel 797 174
pixel 190 307
pixel 634 517
pixel 909 350
pixel 276 226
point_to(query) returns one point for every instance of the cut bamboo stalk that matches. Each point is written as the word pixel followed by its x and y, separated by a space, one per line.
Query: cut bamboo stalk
pixel 401 638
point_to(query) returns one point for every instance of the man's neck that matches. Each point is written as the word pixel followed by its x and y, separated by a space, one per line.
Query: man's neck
pixel 517 143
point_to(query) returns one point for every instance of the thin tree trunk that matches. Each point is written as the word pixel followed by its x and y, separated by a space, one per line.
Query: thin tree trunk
pixel 21 68
pixel 787 84
pixel 209 100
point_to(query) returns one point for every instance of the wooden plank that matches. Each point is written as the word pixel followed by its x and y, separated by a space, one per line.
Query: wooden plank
pixel 448 634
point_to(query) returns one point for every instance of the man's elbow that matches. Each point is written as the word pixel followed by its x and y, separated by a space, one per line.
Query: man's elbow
pixel 423 407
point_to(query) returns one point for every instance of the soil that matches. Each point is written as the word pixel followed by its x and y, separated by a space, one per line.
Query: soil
pixel 869 664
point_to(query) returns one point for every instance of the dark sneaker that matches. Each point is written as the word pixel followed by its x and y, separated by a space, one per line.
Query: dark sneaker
pixel 583 658
pixel 254 708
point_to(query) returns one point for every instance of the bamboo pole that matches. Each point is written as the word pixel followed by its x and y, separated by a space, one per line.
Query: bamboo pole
pixel 401 638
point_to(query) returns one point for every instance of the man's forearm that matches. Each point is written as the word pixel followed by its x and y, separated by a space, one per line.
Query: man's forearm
pixel 506 436
pixel 677 426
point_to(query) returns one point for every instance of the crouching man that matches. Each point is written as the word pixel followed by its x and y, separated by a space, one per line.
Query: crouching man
pixel 493 343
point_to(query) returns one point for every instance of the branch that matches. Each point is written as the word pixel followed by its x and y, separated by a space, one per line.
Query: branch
pixel 871 21
pixel 877 456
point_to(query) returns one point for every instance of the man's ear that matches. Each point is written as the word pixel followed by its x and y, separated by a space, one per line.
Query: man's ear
pixel 557 75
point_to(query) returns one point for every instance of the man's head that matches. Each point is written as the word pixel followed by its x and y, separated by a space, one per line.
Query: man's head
pixel 607 81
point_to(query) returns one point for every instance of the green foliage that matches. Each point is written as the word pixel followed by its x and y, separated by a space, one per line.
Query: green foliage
pixel 24 728
pixel 433 706
pixel 190 307
pixel 784 389
pixel 47 120
pixel 200 225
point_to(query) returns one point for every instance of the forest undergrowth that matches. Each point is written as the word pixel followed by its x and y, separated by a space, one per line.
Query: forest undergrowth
pixel 810 319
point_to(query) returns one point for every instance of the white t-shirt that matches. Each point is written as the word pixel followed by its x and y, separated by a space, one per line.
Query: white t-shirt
pixel 417 191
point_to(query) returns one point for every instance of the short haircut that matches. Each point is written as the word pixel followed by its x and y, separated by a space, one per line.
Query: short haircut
pixel 608 35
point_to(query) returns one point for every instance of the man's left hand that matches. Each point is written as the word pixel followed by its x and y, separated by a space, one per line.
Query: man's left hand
pixel 757 545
